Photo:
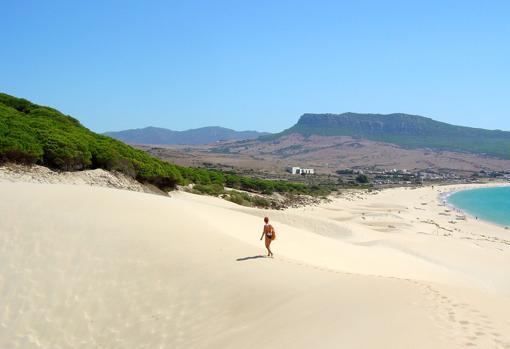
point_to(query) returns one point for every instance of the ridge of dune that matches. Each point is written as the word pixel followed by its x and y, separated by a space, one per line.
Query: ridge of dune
pixel 417 250
pixel 98 177
pixel 83 266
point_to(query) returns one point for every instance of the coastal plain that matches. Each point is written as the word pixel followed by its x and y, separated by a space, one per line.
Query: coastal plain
pixel 83 266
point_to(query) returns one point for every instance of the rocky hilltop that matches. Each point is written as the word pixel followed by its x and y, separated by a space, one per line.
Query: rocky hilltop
pixel 409 131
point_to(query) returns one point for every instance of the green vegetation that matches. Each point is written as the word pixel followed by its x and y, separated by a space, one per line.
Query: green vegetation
pixel 238 197
pixel 347 171
pixel 209 182
pixel 209 189
pixel 34 134
pixel 410 131
pixel 362 179
pixel 267 186
pixel 245 199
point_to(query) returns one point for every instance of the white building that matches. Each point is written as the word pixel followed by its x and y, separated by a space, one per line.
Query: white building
pixel 298 170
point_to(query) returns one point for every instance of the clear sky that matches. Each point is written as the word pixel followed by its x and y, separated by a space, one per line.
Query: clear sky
pixel 257 64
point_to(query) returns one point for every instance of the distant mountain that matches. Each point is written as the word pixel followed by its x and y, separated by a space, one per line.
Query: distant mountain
pixel 204 135
pixel 409 131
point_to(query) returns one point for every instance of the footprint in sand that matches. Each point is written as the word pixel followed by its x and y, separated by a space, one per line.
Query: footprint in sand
pixel 478 331
pixel 452 316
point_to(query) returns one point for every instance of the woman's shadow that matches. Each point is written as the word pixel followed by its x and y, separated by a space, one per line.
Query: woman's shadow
pixel 249 258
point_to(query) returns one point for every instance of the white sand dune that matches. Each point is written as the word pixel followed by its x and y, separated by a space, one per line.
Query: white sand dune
pixel 85 267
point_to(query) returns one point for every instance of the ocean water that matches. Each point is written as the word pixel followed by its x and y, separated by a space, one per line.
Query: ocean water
pixel 490 204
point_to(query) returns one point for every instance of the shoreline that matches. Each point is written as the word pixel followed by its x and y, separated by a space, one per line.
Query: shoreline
pixel 393 218
pixel 443 198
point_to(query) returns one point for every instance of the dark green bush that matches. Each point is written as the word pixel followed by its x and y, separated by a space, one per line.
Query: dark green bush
pixel 246 199
pixel 209 189
pixel 261 202
pixel 239 198
pixel 362 179
pixel 33 134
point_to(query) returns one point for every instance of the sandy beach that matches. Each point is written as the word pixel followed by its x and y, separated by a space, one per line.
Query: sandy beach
pixel 84 267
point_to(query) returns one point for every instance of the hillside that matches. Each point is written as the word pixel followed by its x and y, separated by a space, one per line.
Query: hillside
pixel 203 135
pixel 409 131
pixel 34 134
pixel 327 154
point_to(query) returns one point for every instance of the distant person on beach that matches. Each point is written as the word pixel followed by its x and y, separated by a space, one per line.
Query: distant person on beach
pixel 270 235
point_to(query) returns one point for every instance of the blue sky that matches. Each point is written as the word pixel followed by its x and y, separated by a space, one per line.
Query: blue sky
pixel 258 64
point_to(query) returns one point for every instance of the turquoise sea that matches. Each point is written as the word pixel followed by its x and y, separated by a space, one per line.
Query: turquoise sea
pixel 491 204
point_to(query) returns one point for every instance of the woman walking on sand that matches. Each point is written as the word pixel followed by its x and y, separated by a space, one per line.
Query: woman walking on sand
pixel 270 235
